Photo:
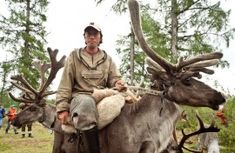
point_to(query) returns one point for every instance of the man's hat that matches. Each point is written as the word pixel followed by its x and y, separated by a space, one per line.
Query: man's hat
pixel 94 26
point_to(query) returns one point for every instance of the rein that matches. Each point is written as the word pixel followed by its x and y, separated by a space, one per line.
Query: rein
pixel 142 91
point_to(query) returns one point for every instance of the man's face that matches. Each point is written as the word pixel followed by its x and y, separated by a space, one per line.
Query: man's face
pixel 92 38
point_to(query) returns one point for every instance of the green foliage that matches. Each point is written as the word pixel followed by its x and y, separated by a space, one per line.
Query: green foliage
pixel 6 69
pixel 6 100
pixel 227 136
pixel 151 29
pixel 124 51
pixel 23 36
pixel 155 37
pixel 226 133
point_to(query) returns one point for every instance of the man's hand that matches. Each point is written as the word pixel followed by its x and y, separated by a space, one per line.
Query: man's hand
pixel 120 85
pixel 63 116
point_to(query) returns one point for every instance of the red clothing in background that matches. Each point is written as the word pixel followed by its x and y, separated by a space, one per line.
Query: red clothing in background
pixel 11 114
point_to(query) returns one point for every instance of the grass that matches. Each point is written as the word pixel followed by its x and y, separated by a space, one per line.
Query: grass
pixel 41 142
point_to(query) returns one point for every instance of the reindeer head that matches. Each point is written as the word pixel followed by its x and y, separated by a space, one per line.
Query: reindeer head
pixel 178 80
pixel 33 97
pixel 30 114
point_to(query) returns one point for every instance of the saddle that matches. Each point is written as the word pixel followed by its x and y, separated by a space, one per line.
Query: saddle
pixel 109 105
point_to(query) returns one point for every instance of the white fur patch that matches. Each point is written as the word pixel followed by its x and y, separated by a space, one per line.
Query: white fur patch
pixel 109 108
pixel 213 147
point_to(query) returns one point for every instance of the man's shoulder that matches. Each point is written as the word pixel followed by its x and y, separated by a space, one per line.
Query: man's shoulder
pixel 76 50
pixel 74 53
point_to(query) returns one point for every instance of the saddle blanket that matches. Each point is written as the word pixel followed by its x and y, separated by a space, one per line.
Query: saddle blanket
pixel 108 109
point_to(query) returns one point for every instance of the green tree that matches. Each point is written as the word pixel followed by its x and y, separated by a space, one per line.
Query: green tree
pixel 176 28
pixel 22 36
pixel 6 68
pixel 132 59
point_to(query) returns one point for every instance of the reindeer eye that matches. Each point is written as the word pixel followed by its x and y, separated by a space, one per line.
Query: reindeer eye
pixel 187 81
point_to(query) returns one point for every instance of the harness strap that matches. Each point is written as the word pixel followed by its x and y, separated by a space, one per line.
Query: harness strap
pixel 143 91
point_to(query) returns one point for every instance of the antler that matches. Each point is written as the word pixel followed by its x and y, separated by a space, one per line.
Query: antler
pixel 55 66
pixel 32 95
pixel 202 129
pixel 42 68
pixel 167 66
pixel 208 58
pixel 135 20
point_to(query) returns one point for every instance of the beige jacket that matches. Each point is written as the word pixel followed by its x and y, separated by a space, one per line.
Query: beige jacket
pixel 84 72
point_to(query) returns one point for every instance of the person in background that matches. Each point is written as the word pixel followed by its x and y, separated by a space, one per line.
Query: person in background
pixel 86 69
pixel 29 126
pixel 220 114
pixel 11 114
pixel 2 115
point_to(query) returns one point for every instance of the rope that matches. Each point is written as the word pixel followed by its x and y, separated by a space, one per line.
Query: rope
pixel 142 91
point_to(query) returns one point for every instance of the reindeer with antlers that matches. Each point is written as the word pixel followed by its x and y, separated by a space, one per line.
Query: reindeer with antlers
pixel 38 109
pixel 147 125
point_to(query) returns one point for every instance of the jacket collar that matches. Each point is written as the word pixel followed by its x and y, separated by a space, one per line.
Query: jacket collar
pixel 91 61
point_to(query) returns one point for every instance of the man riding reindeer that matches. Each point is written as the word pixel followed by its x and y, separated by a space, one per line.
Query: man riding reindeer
pixel 86 68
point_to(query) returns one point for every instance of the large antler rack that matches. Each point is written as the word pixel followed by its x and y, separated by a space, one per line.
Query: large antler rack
pixel 202 129
pixel 32 95
pixel 193 65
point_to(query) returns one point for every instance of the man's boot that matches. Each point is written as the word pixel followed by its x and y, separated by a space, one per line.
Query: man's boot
pixel 90 140
pixel 15 131
pixel 23 135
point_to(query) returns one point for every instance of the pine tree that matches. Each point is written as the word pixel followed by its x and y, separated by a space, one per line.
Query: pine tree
pixel 22 36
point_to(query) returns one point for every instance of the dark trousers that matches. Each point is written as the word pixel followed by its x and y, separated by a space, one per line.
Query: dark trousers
pixel 8 127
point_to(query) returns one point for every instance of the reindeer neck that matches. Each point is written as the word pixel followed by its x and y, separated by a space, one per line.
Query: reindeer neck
pixel 50 120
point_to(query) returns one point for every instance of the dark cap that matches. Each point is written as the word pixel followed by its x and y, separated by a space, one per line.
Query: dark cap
pixel 94 26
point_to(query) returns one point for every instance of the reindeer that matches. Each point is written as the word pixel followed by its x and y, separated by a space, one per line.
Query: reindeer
pixel 38 110
pixel 147 125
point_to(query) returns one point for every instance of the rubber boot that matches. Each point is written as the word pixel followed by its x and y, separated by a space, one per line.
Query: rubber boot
pixel 30 135
pixel 90 140
pixel 8 127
